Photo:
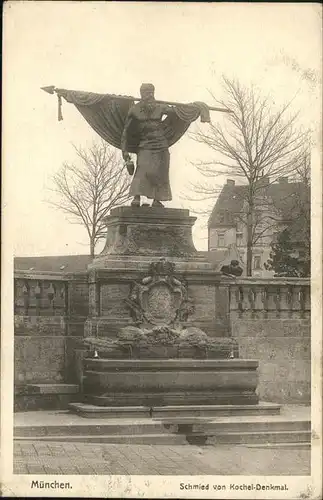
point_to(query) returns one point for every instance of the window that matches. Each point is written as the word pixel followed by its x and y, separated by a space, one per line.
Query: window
pixel 257 262
pixel 239 238
pixel 221 240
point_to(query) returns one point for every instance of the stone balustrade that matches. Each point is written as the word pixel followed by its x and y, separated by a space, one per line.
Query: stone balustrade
pixel 270 298
pixel 269 319
pixel 50 311
pixel 39 293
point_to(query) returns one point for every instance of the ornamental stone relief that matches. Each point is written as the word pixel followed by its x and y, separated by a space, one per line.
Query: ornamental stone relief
pixel 160 298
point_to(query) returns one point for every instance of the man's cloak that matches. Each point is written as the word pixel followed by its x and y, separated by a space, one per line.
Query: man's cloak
pixel 107 114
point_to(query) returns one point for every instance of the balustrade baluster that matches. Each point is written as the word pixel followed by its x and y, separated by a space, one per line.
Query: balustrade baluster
pixel 51 296
pixel 296 301
pixel 240 299
pixel 307 300
pixel 265 301
pixel 234 301
pixel 246 305
pixel 259 298
pixel 66 297
pixel 304 297
pixel 272 300
pixel 284 301
pixel 252 298
pixel 37 294
pixel 277 298
pixel 26 292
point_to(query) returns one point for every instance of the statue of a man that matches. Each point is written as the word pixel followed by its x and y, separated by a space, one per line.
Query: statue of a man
pixel 151 178
pixel 148 129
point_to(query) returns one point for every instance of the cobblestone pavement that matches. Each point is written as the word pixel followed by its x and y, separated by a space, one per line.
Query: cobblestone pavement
pixel 83 458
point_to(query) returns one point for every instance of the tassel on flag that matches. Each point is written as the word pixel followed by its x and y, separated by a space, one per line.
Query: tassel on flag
pixel 60 114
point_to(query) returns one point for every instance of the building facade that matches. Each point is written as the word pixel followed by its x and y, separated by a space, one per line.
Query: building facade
pixel 276 207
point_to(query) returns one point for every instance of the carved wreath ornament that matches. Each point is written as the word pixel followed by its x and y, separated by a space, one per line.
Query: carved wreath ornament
pixel 160 298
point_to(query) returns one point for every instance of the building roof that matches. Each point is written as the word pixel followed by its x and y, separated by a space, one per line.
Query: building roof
pixel 284 195
pixel 58 263
pixel 229 202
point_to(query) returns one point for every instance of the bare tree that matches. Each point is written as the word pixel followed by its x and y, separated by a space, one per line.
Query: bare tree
pixel 86 191
pixel 255 142
pixel 291 249
pixel 302 176
pixel 301 205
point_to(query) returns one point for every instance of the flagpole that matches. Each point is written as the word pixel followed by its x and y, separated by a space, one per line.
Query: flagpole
pixel 52 89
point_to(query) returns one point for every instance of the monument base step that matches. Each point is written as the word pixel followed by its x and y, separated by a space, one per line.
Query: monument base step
pixel 199 439
pixel 148 439
pixel 94 411
pixel 53 388
pixel 291 426
pixel 297 446
pixel 75 426
pixel 50 396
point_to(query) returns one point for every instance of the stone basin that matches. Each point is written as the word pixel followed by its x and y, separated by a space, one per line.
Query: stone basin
pixel 151 382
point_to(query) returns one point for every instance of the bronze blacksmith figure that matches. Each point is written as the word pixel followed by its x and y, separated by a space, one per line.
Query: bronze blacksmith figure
pixel 145 126
pixel 151 178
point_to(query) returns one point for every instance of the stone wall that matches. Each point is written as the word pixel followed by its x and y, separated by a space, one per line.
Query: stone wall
pixel 283 349
pixel 271 321
pixel 76 315
pixel 39 349
pixel 50 311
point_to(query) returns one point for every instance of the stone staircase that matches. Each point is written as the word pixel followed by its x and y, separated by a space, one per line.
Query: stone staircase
pixel 167 411
pixel 290 428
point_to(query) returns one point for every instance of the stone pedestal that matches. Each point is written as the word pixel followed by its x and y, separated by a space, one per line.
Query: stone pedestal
pixel 138 235
pixel 150 273
pixel 177 348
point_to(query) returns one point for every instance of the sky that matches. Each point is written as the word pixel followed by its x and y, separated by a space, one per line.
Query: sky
pixel 184 49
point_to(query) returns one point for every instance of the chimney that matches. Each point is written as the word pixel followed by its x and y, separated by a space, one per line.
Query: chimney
pixel 283 180
pixel 231 182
